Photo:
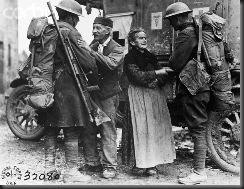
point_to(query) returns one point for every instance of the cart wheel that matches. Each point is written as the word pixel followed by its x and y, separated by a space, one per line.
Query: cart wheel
pixel 223 139
pixel 22 118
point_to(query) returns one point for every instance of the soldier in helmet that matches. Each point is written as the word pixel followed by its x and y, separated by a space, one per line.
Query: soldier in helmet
pixel 194 106
pixel 68 111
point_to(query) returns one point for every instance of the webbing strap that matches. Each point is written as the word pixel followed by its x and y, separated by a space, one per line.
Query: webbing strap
pixel 199 41
pixel 202 45
pixel 32 59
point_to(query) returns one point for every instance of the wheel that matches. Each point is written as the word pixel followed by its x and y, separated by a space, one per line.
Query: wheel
pixel 223 139
pixel 22 118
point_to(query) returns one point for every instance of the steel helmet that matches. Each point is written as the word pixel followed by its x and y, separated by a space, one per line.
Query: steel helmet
pixel 70 6
pixel 176 8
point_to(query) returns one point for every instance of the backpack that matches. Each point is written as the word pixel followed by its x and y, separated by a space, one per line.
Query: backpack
pixel 38 68
pixel 218 52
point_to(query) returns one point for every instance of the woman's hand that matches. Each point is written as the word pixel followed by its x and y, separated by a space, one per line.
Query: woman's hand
pixel 161 72
pixel 83 44
pixel 164 71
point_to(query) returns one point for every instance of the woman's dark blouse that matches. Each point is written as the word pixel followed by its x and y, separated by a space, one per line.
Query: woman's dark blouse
pixel 140 67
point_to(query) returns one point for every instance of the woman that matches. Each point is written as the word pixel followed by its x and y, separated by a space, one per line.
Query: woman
pixel 152 128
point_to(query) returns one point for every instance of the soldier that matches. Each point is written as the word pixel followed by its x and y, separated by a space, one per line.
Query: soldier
pixel 194 106
pixel 68 111
pixel 109 57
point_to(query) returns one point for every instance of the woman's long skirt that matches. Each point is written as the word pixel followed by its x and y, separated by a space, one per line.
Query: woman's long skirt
pixel 152 128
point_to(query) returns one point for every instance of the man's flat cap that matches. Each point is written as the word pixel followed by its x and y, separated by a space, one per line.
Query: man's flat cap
pixel 104 21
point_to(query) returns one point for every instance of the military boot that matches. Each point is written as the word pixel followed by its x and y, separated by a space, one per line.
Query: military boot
pixel 51 173
pixel 71 173
pixel 194 178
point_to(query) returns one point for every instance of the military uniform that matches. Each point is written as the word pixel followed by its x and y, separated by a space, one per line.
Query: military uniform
pixel 68 111
pixel 194 106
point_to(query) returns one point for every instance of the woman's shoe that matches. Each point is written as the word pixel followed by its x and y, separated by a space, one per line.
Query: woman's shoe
pixel 137 171
pixel 151 171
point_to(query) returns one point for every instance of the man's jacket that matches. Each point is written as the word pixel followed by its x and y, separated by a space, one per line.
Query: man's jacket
pixel 110 67
pixel 185 49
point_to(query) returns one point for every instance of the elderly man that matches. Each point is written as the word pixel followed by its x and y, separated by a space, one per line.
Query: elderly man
pixel 194 106
pixel 109 57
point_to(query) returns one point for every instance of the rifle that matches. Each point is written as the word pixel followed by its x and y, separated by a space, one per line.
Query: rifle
pixel 95 113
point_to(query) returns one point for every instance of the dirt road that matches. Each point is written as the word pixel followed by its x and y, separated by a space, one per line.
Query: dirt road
pixel 22 163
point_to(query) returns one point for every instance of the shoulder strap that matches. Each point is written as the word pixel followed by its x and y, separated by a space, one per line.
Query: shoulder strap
pixel 201 45
pixel 32 59
pixel 199 41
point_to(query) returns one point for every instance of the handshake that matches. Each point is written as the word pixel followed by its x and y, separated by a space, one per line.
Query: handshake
pixel 161 79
